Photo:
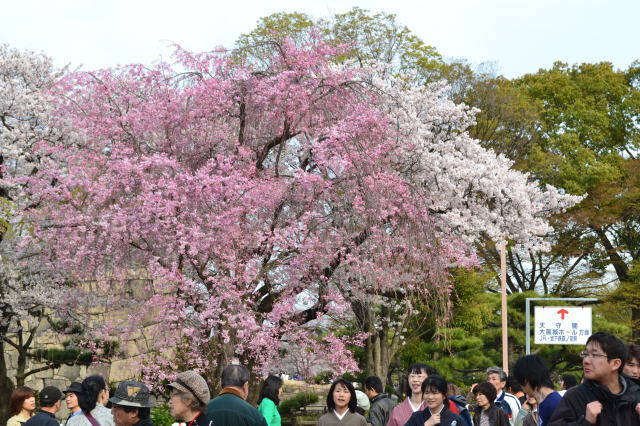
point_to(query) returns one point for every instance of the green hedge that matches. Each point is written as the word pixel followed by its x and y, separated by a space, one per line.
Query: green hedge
pixel 292 405
pixel 161 416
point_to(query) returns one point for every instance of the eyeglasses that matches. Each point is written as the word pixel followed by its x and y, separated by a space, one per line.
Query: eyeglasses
pixel 585 354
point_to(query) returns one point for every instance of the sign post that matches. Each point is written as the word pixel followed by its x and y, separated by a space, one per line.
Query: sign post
pixel 503 288
pixel 559 325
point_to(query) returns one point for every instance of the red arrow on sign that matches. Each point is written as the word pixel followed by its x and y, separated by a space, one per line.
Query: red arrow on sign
pixel 562 313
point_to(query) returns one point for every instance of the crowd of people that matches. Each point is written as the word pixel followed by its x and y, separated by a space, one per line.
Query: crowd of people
pixel 609 394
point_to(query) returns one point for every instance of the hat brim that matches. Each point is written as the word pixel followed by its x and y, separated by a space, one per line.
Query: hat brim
pixel 119 401
pixel 183 389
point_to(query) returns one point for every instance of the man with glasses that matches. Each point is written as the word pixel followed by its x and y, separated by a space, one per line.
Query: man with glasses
pixel 606 397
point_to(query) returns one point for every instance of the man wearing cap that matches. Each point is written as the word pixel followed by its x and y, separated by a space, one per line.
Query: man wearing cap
pixel 189 397
pixel 71 398
pixel 50 402
pixel 230 408
pixel 131 405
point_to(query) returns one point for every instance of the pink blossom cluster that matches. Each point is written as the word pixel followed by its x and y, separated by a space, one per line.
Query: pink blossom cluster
pixel 261 198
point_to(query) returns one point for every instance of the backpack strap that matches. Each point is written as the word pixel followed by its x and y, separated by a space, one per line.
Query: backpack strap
pixel 91 419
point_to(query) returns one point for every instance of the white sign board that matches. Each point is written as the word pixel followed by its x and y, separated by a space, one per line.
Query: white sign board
pixel 562 325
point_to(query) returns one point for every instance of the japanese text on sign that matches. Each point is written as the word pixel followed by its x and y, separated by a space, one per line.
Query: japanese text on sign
pixel 562 325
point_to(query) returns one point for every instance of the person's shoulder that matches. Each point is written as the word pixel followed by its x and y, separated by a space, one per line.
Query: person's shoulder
pixel 326 418
pixel 578 392
pixel 37 418
pixel 554 396
pixel 361 419
pixel 81 419
pixel 267 402
pixel 13 421
pixel 453 417
pixel 204 420
pixel 511 397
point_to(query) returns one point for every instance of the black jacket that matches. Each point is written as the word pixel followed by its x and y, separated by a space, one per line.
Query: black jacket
pixel 42 418
pixel 497 417
pixel 381 406
pixel 145 422
pixel 617 410
pixel 447 418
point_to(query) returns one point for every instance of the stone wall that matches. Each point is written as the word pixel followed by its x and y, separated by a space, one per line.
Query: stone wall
pixel 123 367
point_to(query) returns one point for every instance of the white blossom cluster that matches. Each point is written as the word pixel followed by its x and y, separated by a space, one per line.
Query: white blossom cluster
pixel 25 109
pixel 471 191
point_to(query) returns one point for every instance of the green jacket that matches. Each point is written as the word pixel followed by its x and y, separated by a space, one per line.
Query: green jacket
pixel 270 412
pixel 229 409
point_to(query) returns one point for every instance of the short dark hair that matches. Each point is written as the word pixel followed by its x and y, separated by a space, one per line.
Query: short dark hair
pixel 437 383
pixel 532 369
pixel 487 389
pixel 569 381
pixel 353 403
pixel 512 385
pixel 611 345
pixel 18 396
pixel 634 352
pixel 234 375
pixel 91 388
pixel 270 389
pixel 373 383
pixel 143 412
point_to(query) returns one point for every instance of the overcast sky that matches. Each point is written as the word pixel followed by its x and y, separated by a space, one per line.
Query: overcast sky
pixel 520 36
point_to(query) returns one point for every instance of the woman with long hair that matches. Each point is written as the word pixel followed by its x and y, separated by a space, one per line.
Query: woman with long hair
pixel 91 399
pixel 341 401
pixel 21 406
pixel 269 400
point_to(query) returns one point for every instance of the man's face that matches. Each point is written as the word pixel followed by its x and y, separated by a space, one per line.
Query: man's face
pixel 415 381
pixel 494 379
pixel 632 368
pixel 122 418
pixel 71 399
pixel 596 365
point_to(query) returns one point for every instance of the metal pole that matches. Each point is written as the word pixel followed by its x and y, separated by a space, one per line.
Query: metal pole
pixel 503 285
pixel 527 344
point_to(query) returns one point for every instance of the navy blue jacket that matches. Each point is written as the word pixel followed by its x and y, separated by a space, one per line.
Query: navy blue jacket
pixel 42 418
pixel 447 418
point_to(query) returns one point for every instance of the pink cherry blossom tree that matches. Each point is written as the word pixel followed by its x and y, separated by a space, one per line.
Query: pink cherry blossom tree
pixel 264 200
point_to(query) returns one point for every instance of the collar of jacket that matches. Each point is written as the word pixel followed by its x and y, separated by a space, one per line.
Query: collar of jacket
pixel 379 396
pixel 628 392
pixel 232 391
pixel 145 422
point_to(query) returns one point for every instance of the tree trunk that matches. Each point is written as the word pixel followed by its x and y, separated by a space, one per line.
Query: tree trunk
pixel 6 385
pixel 635 321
